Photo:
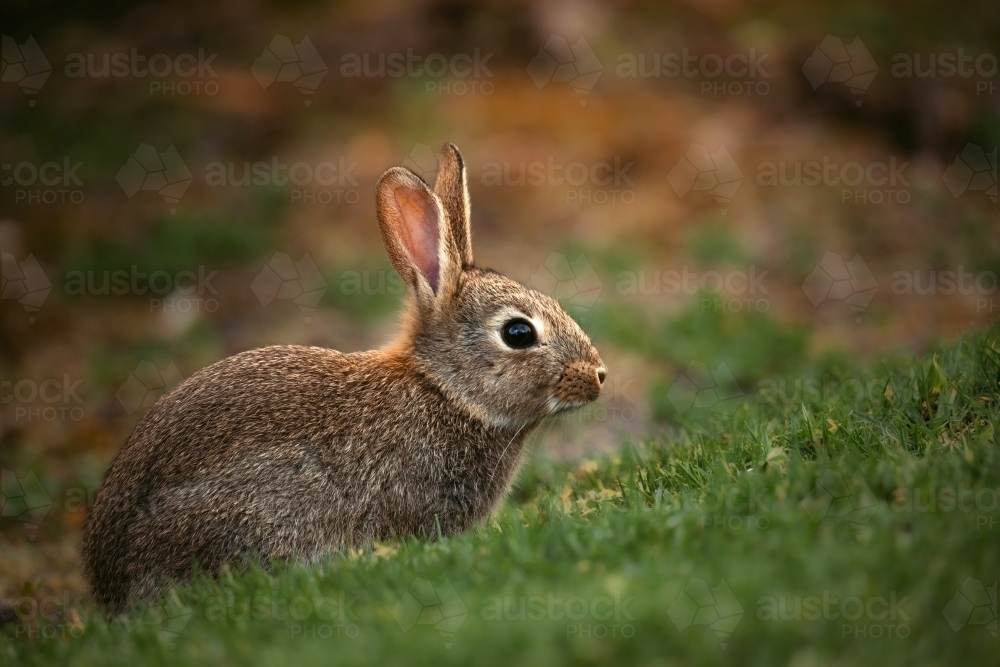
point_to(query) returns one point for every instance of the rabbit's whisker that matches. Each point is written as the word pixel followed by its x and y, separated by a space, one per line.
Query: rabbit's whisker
pixel 504 452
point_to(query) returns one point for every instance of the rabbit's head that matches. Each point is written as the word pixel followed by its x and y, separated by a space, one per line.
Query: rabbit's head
pixel 508 354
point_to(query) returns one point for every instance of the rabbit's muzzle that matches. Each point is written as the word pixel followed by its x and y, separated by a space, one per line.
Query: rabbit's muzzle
pixel 579 384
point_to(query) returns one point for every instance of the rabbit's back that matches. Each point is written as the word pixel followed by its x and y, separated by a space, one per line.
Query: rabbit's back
pixel 281 453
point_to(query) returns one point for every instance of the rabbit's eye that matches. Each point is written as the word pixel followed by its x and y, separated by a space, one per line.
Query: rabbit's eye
pixel 518 333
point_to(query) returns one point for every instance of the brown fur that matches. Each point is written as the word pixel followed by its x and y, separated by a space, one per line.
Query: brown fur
pixel 296 453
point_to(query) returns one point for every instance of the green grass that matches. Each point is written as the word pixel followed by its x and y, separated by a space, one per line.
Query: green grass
pixel 728 511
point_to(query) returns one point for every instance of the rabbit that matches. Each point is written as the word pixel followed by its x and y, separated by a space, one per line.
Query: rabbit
pixel 293 453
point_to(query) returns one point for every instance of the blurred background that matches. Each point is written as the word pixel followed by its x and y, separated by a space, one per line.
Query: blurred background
pixel 722 193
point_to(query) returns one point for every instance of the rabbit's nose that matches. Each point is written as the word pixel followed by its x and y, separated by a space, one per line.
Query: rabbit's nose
pixel 602 373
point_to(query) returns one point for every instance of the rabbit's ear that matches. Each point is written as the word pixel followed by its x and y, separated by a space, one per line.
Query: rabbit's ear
pixel 452 188
pixel 416 234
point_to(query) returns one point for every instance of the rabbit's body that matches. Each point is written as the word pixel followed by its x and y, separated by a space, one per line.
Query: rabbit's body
pixel 221 470
pixel 296 453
